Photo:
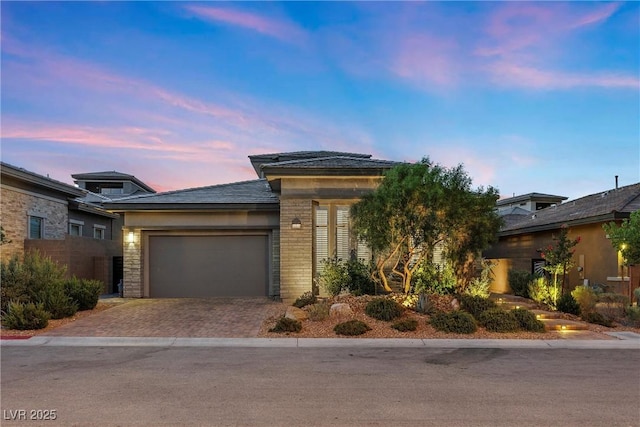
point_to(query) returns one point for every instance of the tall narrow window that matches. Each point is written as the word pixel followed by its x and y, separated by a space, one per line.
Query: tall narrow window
pixel 36 227
pixel 75 227
pixel 342 233
pixel 322 236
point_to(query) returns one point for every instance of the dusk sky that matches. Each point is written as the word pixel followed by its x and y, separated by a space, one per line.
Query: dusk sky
pixel 530 97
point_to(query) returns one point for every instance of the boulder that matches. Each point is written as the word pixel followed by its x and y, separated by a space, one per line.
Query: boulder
pixel 455 304
pixel 340 309
pixel 296 313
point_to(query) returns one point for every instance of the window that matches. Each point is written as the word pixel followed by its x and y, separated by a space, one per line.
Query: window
pixel 75 227
pixel 98 232
pixel 342 233
pixel 36 227
pixel 322 236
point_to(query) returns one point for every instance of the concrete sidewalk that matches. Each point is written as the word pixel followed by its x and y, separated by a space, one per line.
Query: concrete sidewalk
pixel 628 342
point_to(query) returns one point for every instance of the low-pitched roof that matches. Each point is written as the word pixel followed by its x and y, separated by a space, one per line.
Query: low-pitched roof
pixel 599 207
pixel 111 176
pixel 40 180
pixel 329 165
pixel 258 160
pixel 254 194
pixel 531 196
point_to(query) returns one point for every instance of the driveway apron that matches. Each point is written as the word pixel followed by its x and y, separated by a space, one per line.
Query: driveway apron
pixel 174 317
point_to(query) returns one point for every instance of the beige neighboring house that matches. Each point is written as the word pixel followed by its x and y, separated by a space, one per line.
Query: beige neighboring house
pixel 595 261
pixel 39 213
pixel 265 237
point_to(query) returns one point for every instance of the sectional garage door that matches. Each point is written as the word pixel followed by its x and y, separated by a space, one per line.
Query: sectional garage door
pixel 208 266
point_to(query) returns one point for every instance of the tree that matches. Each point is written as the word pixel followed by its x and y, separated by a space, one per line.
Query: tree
pixel 418 206
pixel 558 258
pixel 3 237
pixel 626 238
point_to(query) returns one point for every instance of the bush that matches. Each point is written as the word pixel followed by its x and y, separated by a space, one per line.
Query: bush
pixel 498 320
pixel 84 292
pixel 612 306
pixel 359 278
pixel 632 316
pixel 405 325
pixel 318 312
pixel 586 299
pixel 57 302
pixel 334 276
pixel 636 295
pixel 459 322
pixel 479 286
pixel 351 327
pixel 528 320
pixel 434 279
pixel 541 291
pixel 284 324
pixel 13 284
pixel 305 299
pixel 598 319
pixel 568 304
pixel 519 281
pixel 25 316
pixel 383 309
pixel 475 305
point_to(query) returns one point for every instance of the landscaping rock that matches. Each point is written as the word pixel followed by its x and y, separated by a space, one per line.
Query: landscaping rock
pixel 296 313
pixel 340 309
pixel 455 304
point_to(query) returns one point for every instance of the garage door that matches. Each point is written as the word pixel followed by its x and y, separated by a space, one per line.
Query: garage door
pixel 208 266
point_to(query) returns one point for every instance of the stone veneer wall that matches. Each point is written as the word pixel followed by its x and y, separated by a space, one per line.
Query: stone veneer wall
pixel 16 207
pixel 133 265
pixel 296 248
pixel 275 262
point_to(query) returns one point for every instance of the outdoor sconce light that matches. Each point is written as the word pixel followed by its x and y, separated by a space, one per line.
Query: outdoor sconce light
pixel 296 223
pixel 131 237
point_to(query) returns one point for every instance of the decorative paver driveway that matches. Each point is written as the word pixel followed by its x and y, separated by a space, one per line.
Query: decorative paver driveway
pixel 174 317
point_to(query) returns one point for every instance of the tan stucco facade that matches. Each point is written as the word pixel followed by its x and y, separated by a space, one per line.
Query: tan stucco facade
pixel 594 260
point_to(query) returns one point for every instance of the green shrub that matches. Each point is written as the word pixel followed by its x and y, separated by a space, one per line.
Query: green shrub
pixel 479 286
pixel 543 292
pixel 528 320
pixel 598 319
pixel 586 299
pixel 434 279
pixel 351 327
pixel 57 302
pixel 498 320
pixel 13 284
pixel 284 324
pixel 519 281
pixel 334 276
pixel 475 305
pixel 383 309
pixel 25 316
pixel 459 322
pixel 84 292
pixel 405 325
pixel 318 312
pixel 632 316
pixel 359 278
pixel 305 299
pixel 568 304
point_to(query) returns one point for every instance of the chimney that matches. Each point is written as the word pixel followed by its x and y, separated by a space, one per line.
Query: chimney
pixel 616 182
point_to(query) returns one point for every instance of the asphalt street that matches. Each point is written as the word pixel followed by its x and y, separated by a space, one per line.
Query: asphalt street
pixel 359 386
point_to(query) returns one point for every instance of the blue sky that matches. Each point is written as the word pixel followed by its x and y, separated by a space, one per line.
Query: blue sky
pixel 540 96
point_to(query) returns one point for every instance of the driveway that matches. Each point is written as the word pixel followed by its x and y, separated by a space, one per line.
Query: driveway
pixel 175 317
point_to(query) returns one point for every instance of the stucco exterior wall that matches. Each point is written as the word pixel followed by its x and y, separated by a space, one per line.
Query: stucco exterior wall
pixel 17 205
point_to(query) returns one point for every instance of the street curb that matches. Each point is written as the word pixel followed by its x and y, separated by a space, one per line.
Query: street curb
pixel 40 341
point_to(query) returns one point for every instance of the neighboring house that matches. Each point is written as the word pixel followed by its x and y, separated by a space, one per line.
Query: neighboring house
pixel 265 237
pixel 595 260
pixel 39 213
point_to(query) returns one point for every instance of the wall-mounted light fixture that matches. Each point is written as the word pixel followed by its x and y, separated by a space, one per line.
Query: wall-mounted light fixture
pixel 296 223
pixel 131 238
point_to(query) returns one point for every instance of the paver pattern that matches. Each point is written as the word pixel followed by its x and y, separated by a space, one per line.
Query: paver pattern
pixel 174 317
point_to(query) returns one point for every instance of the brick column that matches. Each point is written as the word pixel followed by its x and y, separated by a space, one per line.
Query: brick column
pixel 296 248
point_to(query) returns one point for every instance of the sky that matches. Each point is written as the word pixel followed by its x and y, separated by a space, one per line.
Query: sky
pixel 528 96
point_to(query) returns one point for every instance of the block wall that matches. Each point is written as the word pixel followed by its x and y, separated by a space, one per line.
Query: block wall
pixel 296 246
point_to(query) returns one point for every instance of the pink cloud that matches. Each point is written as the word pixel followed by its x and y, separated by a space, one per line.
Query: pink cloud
pixel 510 74
pixel 280 30
pixel 425 59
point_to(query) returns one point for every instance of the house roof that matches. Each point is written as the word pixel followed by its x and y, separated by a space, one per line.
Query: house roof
pixel 41 181
pixel 259 160
pixel 352 165
pixel 539 197
pixel 599 207
pixel 238 195
pixel 111 176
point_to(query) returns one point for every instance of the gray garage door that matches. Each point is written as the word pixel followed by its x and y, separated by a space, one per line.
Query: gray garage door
pixel 208 266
